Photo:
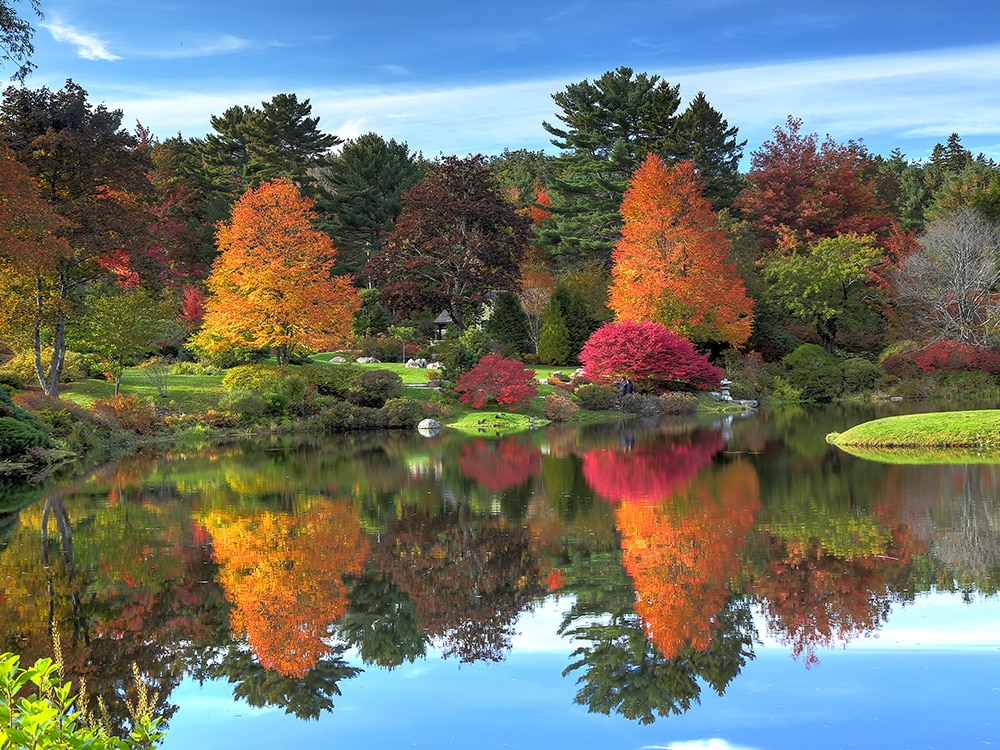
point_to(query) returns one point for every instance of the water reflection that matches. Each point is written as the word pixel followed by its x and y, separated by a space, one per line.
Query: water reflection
pixel 288 569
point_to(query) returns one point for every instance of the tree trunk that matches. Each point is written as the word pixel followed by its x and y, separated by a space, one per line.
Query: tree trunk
pixel 48 379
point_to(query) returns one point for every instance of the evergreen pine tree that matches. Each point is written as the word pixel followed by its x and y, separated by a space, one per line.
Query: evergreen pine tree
pixel 508 325
pixel 553 341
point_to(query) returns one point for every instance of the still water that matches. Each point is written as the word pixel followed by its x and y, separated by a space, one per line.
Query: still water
pixel 731 584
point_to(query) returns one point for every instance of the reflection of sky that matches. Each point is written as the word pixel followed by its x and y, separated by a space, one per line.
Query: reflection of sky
pixel 930 679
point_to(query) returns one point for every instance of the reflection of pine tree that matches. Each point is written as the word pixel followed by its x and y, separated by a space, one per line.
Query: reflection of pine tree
pixel 623 671
pixel 306 697
pixel 382 622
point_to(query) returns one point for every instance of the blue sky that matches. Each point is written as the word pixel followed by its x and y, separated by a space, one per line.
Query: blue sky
pixel 464 77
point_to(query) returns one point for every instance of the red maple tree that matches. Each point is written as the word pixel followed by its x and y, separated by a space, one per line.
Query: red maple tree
pixel 649 353
pixel 495 378
pixel 802 191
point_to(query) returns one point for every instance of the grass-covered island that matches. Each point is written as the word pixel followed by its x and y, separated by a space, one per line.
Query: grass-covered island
pixel 935 436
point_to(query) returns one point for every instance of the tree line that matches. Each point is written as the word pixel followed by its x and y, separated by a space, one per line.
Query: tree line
pixel 270 235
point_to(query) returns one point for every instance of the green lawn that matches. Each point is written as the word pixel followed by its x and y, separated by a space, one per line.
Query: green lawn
pixel 191 394
pixel 978 430
pixel 197 394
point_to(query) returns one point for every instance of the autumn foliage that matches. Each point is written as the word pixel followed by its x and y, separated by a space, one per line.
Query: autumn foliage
pixel 649 473
pixel 284 574
pixel 802 190
pixel 493 378
pixel 500 465
pixel 271 285
pixel 648 353
pixel 672 263
pixel 684 553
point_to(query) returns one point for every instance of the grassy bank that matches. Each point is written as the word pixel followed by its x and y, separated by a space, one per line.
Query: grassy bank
pixel 975 430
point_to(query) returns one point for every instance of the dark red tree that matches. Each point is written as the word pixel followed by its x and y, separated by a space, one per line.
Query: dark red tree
pixel 456 239
pixel 648 353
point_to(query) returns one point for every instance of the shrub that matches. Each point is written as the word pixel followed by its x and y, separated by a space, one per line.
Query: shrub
pixel 76 366
pixel 648 353
pixel 279 387
pixel 155 371
pixel 900 365
pixel 47 716
pixel 458 361
pixel 560 408
pixel 494 378
pixel 673 402
pixel 17 437
pixel 976 386
pixel 374 387
pixel 245 405
pixel 70 424
pixel 194 368
pixel 11 381
pixel 641 405
pixel 402 413
pixel 382 348
pixel 956 357
pixel 815 372
pixel 332 379
pixel 596 397
pixel 342 416
pixel 129 412
pixel 861 375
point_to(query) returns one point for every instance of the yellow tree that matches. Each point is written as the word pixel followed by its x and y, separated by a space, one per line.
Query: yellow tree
pixel 672 264
pixel 271 285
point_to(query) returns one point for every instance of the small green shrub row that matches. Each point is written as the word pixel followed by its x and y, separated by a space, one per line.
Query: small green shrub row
pixel 398 413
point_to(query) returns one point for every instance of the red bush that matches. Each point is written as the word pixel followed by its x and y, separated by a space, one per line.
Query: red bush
pixel 495 378
pixel 954 356
pixel 648 353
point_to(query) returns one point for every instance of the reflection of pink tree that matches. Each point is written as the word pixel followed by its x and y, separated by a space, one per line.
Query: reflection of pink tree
pixel 501 465
pixel 649 473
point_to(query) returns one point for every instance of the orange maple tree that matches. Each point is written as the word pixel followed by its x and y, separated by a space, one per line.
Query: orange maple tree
pixel 672 264
pixel 284 575
pixel 683 553
pixel 271 285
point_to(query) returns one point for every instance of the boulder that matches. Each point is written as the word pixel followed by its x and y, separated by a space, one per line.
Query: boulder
pixel 428 427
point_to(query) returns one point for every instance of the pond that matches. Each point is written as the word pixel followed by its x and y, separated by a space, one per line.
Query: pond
pixel 682 584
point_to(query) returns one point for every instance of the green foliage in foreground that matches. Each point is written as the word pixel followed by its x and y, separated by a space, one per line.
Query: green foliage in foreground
pixel 37 711
pixel 978 430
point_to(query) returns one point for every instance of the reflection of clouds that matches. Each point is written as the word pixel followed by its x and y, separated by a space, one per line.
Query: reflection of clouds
pixel 538 630
pixel 712 744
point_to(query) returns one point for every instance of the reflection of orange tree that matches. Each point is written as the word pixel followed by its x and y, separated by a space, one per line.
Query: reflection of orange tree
pixel 649 472
pixel 683 552
pixel 283 574
pixel 501 465
pixel 468 578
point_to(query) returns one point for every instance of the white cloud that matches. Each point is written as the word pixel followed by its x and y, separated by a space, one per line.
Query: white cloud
pixel 224 45
pixel 908 100
pixel 88 46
